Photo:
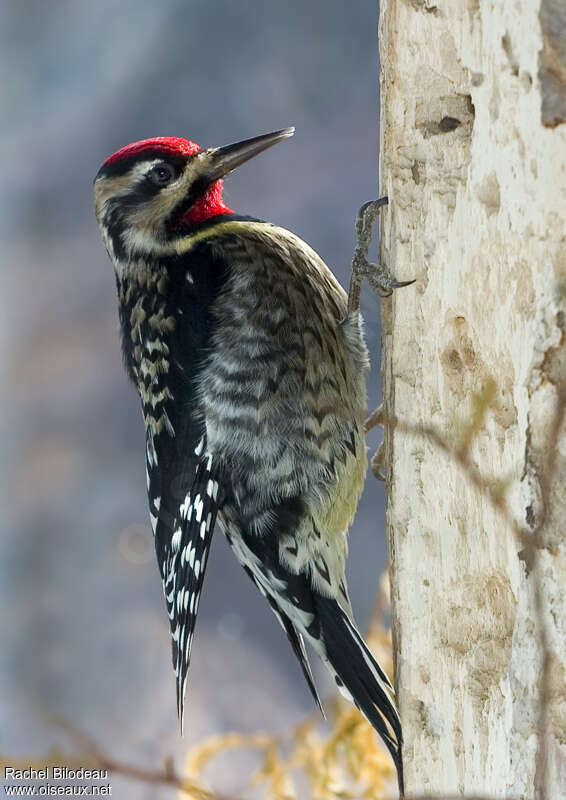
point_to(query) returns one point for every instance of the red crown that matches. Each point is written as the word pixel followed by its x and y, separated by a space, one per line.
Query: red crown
pixel 168 144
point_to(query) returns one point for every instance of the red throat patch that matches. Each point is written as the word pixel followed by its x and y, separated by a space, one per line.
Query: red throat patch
pixel 209 205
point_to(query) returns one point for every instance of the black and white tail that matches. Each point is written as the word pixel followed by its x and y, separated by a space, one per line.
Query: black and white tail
pixel 307 614
pixel 358 675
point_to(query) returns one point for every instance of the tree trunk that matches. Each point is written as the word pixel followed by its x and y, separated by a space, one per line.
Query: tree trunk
pixel 473 154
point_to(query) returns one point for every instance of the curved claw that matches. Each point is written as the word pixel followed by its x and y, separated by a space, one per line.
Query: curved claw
pixel 400 284
pixel 378 276
pixel 368 214
pixel 374 204
pixel 382 283
pixel 396 285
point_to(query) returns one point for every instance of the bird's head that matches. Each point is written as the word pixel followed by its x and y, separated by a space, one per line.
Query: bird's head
pixel 147 192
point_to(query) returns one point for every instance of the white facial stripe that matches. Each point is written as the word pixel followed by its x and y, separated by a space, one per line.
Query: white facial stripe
pixel 139 171
pixel 143 224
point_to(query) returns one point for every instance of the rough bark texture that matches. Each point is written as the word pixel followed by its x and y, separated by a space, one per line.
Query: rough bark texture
pixel 473 159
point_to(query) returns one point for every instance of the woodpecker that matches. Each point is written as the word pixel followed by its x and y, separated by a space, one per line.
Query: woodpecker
pixel 250 368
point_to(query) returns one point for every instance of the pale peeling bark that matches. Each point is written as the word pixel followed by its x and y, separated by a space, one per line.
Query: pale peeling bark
pixel 473 159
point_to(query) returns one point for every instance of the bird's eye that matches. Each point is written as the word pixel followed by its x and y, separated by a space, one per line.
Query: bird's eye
pixel 161 175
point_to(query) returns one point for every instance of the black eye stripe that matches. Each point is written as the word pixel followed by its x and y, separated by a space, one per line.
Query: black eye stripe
pixel 142 191
pixel 124 165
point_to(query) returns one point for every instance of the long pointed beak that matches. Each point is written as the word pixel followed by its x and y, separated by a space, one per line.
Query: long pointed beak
pixel 225 159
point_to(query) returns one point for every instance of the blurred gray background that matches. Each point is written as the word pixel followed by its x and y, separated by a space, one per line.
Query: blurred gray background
pixel 84 631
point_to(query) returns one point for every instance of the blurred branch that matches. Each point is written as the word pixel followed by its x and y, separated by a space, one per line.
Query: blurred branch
pixel 532 542
pixel 459 452
pixel 534 549
pixel 93 757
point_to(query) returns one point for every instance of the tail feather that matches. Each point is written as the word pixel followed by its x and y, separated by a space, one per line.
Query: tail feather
pixel 295 638
pixel 357 671
pixel 298 646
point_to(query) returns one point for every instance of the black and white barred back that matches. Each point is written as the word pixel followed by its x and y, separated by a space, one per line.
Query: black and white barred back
pixel 252 384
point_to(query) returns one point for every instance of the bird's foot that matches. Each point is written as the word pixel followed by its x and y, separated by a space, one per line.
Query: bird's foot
pixel 378 276
pixel 378 465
